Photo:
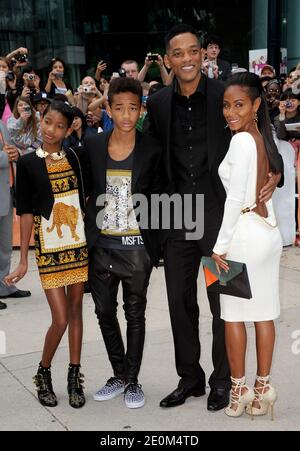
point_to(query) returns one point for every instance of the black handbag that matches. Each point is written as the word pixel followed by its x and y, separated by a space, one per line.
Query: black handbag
pixel 234 283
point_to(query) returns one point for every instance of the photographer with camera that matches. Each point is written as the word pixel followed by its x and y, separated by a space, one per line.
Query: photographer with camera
pixel 18 58
pixel 56 83
pixel 131 68
pixel 31 83
pixel 87 93
pixel 8 89
pixel 289 108
pixel 24 126
pixel 154 58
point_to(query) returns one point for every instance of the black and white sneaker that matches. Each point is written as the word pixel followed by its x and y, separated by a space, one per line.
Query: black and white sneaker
pixel 134 396
pixel 111 389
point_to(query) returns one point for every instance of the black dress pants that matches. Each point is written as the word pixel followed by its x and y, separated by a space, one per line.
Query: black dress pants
pixel 133 269
pixel 182 260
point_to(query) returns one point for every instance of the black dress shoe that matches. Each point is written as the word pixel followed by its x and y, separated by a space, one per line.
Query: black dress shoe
pixel 218 399
pixel 179 396
pixel 17 294
pixel 2 306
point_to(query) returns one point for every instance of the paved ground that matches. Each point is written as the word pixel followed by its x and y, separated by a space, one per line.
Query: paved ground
pixel 25 322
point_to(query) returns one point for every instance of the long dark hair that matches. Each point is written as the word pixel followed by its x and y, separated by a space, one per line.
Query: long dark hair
pixel 252 84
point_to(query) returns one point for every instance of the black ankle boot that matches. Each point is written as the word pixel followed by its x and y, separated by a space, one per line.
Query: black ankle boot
pixel 43 383
pixel 75 387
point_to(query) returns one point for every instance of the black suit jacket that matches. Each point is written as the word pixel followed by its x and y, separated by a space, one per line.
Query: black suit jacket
pixel 224 69
pixel 145 180
pixel 33 188
pixel 218 137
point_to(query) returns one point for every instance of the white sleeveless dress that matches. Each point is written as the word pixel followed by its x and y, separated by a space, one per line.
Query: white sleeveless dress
pixel 248 238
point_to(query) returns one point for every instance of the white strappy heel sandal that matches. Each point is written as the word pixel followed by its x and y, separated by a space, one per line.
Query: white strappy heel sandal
pixel 266 396
pixel 239 400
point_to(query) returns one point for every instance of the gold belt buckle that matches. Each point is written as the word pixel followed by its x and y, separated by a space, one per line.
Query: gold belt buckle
pixel 246 210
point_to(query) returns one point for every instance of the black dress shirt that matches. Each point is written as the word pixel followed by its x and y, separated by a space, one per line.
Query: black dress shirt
pixel 189 146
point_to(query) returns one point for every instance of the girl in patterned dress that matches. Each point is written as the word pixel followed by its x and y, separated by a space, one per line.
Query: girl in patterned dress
pixel 50 198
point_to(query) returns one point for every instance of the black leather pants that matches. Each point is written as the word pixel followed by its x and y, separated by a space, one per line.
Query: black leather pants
pixel 107 269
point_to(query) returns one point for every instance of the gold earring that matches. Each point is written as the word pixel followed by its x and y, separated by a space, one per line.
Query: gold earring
pixel 255 120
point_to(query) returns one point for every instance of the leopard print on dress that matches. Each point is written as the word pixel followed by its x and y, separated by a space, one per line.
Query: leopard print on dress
pixel 64 215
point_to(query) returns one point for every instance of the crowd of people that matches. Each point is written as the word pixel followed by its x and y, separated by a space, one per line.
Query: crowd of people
pixel 199 130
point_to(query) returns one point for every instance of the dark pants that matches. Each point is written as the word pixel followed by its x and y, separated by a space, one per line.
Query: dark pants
pixel 107 269
pixel 182 261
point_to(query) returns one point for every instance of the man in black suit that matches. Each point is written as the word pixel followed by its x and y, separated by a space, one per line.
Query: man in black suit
pixel 187 118
pixel 120 164
pixel 212 45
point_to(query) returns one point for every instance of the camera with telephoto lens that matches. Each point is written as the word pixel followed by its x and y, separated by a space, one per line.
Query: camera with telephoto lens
pixel 122 72
pixel 21 57
pixel 10 76
pixel 152 56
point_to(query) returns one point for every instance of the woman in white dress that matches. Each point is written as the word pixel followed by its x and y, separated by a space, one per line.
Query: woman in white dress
pixel 249 234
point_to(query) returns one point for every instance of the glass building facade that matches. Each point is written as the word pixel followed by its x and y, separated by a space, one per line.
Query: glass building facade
pixel 83 32
pixel 289 27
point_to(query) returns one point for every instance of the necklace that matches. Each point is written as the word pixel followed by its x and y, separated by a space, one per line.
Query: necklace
pixel 56 156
